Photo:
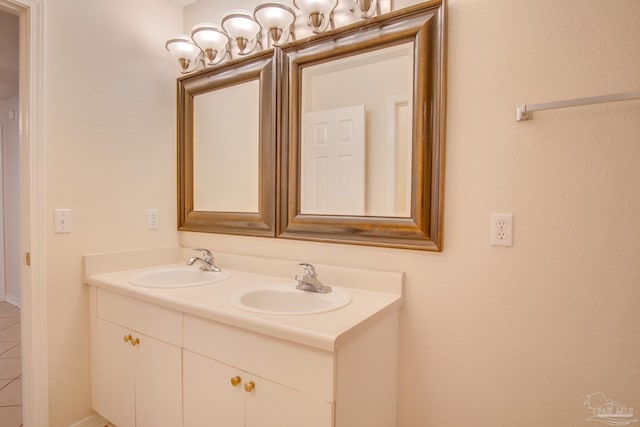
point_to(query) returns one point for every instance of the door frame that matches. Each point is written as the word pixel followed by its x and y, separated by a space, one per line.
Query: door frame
pixel 35 376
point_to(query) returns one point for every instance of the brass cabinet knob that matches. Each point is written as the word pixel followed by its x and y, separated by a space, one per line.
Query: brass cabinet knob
pixel 127 338
pixel 135 342
pixel 235 381
pixel 248 387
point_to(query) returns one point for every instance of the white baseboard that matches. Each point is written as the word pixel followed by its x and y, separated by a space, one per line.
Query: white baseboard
pixel 93 421
pixel 13 300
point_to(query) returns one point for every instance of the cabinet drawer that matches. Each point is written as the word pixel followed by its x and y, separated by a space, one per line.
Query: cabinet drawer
pixel 302 368
pixel 150 319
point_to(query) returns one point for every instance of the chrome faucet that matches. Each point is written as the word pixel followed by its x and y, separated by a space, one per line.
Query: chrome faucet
pixel 309 281
pixel 206 262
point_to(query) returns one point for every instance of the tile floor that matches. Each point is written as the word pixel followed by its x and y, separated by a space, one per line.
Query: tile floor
pixel 10 366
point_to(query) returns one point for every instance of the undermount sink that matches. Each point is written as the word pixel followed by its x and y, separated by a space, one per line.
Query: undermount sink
pixel 177 277
pixel 285 299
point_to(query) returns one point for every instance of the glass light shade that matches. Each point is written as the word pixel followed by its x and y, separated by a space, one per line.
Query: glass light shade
pixel 184 50
pixel 277 19
pixel 318 12
pixel 242 28
pixel 212 40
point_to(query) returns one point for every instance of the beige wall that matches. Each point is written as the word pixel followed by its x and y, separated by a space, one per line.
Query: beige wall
pixel 517 336
pixel 490 336
pixel 110 155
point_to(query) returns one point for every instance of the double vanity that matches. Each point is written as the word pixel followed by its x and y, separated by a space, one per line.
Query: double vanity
pixel 173 345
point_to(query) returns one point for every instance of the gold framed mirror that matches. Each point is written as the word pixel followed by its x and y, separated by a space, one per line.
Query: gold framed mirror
pixel 227 148
pixel 344 83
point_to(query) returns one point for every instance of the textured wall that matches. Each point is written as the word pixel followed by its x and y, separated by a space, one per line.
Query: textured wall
pixel 490 336
pixel 110 155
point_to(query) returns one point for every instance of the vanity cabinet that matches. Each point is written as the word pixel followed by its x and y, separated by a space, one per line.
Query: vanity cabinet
pixel 221 395
pixel 158 367
pixel 354 384
pixel 136 378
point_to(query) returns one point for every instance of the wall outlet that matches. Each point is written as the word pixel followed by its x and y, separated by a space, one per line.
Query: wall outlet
pixel 501 230
pixel 153 219
pixel 62 220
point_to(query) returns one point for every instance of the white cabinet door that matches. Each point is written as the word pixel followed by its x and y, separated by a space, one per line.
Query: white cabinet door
pixel 136 386
pixel 273 405
pixel 158 379
pixel 210 399
pixel 113 388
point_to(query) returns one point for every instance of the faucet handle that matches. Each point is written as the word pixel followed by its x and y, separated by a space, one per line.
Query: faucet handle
pixel 309 269
pixel 206 253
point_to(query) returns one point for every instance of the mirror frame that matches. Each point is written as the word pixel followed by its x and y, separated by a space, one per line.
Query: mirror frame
pixel 261 66
pixel 424 25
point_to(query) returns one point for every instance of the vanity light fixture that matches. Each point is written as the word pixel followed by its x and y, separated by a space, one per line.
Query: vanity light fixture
pixel 242 29
pixel 277 19
pixel 213 40
pixel 185 51
pixel 318 13
pixel 240 32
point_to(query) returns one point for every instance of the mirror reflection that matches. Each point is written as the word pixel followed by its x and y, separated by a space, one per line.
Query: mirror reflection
pixel 226 149
pixel 334 138
pixel 356 134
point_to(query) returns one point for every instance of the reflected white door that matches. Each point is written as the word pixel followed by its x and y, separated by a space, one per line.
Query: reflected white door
pixel 333 162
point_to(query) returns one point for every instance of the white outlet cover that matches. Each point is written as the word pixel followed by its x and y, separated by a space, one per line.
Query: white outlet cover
pixel 501 230
pixel 153 219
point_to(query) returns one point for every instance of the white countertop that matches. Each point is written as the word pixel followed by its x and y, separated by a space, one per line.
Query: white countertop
pixel 323 330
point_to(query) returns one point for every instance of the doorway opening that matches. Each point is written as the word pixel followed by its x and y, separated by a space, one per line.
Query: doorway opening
pixel 30 257
pixel 10 239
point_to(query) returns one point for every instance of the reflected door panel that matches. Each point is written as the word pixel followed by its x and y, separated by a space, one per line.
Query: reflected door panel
pixel 394 65
pixel 374 80
pixel 333 159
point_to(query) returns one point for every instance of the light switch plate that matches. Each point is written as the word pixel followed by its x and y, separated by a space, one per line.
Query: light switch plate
pixel 62 220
